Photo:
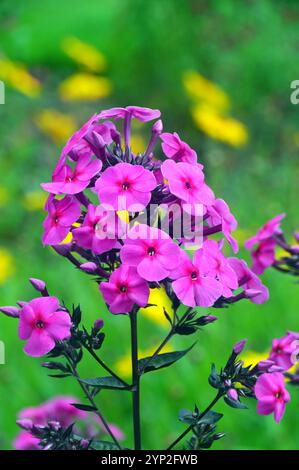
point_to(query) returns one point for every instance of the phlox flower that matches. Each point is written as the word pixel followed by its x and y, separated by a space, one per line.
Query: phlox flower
pixel 253 287
pixel 219 213
pixel 137 112
pixel 72 181
pixel 42 323
pixel 26 441
pixel 61 215
pixel 98 231
pixel 283 350
pixel 215 264
pixel 263 256
pixel 152 251
pixel 191 285
pixel 272 395
pixel 126 187
pixel 186 182
pixel 272 227
pixel 124 289
pixel 177 149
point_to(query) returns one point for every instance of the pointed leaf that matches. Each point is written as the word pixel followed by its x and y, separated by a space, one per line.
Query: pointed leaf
pixel 105 382
pixel 162 360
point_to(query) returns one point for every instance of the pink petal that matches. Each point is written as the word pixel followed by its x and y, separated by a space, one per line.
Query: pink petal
pixel 39 344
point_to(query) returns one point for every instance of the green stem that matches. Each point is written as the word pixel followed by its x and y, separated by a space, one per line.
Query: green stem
pixel 181 436
pixel 102 363
pixel 93 403
pixel 136 381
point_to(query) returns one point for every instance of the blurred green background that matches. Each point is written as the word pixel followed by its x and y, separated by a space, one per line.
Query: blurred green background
pixel 220 72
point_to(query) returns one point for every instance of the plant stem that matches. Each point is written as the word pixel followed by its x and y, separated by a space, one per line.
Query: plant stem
pixel 93 403
pixel 136 381
pixel 181 436
pixel 102 363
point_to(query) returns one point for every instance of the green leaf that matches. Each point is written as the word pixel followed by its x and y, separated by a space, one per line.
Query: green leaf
pixel 214 378
pixel 234 403
pixel 211 417
pixel 105 382
pixel 103 445
pixel 162 360
pixel 79 406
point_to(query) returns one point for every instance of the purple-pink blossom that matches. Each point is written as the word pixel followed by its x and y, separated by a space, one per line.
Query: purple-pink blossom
pixel 137 112
pixel 219 214
pixel 177 149
pixel 271 395
pixel 186 182
pixel 152 251
pixel 191 285
pixel 125 289
pixel 98 231
pixel 271 228
pixel 61 216
pixel 216 265
pixel 126 187
pixel 263 256
pixel 42 323
pixel 283 350
pixel 252 286
pixel 72 181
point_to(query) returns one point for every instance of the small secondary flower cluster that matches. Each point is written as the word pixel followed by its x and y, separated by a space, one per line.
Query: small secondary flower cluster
pixel 60 413
pixel 265 244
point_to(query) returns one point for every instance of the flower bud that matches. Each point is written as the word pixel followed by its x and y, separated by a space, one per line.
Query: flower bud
pixel 38 284
pixel 10 311
pixel 63 249
pixel 238 347
pixel 158 127
pixel 232 393
pixel 98 324
pixel 206 319
pixel 25 423
pixel 88 267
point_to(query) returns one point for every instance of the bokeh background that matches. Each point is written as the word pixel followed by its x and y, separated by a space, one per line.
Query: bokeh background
pixel 220 72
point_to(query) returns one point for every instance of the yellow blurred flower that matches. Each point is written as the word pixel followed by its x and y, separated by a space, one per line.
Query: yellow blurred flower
pixel 58 126
pixel 159 299
pixel 84 87
pixel 124 216
pixel 123 366
pixel 137 144
pixel 199 88
pixel 253 357
pixel 69 236
pixel 219 127
pixel 6 265
pixel 17 76
pixel 34 200
pixel 3 196
pixel 84 54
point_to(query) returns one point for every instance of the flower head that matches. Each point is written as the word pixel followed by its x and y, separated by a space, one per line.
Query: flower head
pixel 177 149
pixel 42 323
pixel 126 187
pixel 152 251
pixel 125 289
pixel 61 215
pixel 272 395
pixel 191 285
